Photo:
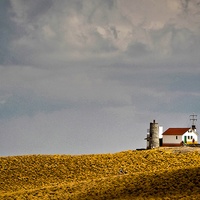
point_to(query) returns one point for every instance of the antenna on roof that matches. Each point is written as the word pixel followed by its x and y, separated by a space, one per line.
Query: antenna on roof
pixel 193 118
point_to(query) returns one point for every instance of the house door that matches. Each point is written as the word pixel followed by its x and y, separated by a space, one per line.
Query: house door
pixel 185 139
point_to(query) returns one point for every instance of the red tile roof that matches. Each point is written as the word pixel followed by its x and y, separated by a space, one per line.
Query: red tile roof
pixel 175 131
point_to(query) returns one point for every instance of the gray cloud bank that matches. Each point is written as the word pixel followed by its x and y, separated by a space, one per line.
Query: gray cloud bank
pixel 88 76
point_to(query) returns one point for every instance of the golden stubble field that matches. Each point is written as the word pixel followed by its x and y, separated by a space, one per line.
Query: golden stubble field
pixel 162 173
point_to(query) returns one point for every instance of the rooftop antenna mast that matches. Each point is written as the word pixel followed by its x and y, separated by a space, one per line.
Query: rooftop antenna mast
pixel 193 118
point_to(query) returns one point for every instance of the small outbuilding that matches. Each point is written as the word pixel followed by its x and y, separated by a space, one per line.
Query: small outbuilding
pixel 179 136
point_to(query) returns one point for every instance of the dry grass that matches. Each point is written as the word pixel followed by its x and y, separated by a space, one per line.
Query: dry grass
pixel 164 173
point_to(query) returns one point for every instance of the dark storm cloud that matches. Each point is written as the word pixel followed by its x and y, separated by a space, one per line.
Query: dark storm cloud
pixel 28 104
pixel 138 50
pixel 62 31
pixel 36 8
pixel 30 10
pixel 7 32
pixel 185 4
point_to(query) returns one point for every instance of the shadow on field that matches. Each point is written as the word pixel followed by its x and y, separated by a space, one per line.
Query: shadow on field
pixel 175 183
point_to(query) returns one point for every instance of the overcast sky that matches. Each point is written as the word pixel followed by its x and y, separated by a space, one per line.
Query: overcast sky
pixel 88 76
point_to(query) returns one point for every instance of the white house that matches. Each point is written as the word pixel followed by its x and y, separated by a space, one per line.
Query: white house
pixel 176 136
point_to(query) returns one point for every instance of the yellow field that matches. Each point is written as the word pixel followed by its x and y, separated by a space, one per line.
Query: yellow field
pixel 150 174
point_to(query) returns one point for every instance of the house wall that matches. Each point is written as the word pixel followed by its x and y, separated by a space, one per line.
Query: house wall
pixel 174 139
pixel 177 139
pixel 191 135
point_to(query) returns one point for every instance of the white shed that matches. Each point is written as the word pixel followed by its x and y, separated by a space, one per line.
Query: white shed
pixel 176 136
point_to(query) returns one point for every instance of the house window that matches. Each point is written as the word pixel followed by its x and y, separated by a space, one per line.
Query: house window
pixel 176 137
pixel 191 137
pixel 188 137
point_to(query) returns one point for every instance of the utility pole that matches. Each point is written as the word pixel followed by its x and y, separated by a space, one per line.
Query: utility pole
pixel 193 118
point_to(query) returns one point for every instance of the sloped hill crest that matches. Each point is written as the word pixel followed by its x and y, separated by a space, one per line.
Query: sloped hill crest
pixel 153 173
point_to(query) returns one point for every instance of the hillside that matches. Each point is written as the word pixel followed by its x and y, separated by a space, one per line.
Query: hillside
pixel 170 173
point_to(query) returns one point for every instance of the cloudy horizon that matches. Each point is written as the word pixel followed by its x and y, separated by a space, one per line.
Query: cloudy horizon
pixel 83 77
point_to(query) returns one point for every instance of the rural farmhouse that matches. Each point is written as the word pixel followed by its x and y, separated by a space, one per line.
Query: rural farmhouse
pixel 178 136
pixel 172 137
